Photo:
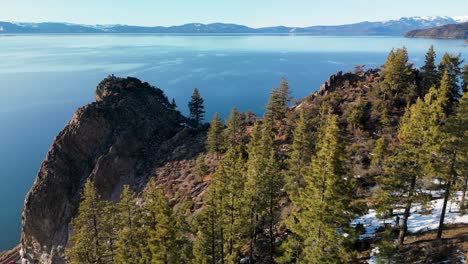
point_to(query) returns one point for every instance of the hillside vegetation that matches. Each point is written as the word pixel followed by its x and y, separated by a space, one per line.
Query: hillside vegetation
pixel 292 186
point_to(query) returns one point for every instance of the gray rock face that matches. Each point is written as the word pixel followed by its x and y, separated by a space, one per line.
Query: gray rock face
pixel 115 140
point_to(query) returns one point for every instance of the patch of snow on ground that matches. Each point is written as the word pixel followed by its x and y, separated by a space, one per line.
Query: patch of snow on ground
pixel 417 222
pixel 373 259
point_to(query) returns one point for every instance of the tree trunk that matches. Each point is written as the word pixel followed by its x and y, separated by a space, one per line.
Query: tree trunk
pixel 446 196
pixel 213 251
pixel 252 234
pixel 462 205
pixel 444 207
pixel 406 214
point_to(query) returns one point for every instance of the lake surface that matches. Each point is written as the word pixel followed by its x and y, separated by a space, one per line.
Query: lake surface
pixel 44 78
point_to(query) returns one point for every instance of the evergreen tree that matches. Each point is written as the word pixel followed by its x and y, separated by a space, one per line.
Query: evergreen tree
pixel 230 175
pixel 325 200
pixel 87 242
pixel 208 246
pixel 222 223
pixel 215 139
pixel 110 230
pixel 413 161
pixel 129 240
pixel 357 115
pixel 160 226
pixel 451 64
pixel 263 186
pixel 234 130
pixel 456 129
pixel 299 158
pixel 200 167
pixel 403 176
pixel 197 110
pixel 465 79
pixel 397 76
pixel 277 105
pixel 452 149
pixel 429 70
pixel 174 104
pixel 379 153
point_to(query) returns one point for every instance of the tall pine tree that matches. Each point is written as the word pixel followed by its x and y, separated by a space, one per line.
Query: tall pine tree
pixel 88 243
pixel 325 201
pixel 130 239
pixel 234 130
pixel 429 71
pixel 196 107
pixel 215 138
pixel 397 75
pixel 160 226
pixel 264 182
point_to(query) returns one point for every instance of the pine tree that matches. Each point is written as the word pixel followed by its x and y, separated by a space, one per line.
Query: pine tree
pixel 325 200
pixel 174 104
pixel 299 158
pixel 465 79
pixel 413 159
pixel 379 153
pixel 234 130
pixel 404 173
pixel 451 148
pixel 357 115
pixel 88 243
pixel 230 175
pixel 110 230
pixel 160 226
pixel 397 75
pixel 264 182
pixel 200 167
pixel 209 243
pixel 277 105
pixel 215 138
pixel 451 64
pixel 456 128
pixel 129 241
pixel 197 110
pixel 429 70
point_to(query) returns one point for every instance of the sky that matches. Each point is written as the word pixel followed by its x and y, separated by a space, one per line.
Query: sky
pixel 254 13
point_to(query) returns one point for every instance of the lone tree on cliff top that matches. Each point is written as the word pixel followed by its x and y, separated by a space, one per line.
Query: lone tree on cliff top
pixel 197 110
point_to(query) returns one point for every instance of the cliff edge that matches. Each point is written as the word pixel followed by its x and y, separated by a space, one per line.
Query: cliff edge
pixel 121 138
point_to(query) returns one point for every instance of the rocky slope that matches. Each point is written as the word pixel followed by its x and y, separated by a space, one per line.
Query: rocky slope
pixel 122 138
pixel 452 31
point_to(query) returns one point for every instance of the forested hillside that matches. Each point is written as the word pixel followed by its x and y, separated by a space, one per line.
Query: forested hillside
pixel 293 185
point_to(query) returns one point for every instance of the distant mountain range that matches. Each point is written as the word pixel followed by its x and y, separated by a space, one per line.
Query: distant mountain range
pixel 383 28
pixel 451 31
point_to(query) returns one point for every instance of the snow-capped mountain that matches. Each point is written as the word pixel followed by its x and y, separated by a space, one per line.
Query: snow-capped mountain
pixel 461 19
pixel 382 28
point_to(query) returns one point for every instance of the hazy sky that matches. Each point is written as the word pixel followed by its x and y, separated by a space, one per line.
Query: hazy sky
pixel 254 13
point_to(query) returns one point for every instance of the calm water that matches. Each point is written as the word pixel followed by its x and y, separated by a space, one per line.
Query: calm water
pixel 44 78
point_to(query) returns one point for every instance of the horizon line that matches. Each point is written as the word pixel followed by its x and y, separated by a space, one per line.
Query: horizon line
pixel 228 23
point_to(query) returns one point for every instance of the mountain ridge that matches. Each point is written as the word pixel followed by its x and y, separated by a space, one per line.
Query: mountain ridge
pixel 390 28
pixel 451 31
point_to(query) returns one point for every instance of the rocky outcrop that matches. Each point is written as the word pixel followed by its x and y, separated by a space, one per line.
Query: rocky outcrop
pixel 122 138
pixel 452 31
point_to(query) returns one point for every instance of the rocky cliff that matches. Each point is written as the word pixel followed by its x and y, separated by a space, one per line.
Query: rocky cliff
pixel 127 135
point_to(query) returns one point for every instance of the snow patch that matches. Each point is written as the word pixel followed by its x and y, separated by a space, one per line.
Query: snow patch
pixel 417 222
pixel 461 19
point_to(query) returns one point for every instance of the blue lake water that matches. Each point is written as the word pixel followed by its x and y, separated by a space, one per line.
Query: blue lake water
pixel 44 78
